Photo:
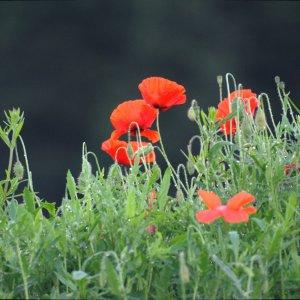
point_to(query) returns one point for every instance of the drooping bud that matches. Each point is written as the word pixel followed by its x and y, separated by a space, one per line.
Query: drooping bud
pixel 179 195
pixel 193 111
pixel 190 167
pixel 260 119
pixel 18 170
pixel 277 79
pixel 130 151
pixel 246 128
pixel 183 269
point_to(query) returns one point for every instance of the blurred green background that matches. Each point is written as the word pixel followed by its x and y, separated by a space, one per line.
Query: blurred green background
pixel 67 64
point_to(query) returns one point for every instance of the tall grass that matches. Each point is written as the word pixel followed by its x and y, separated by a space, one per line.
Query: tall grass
pixel 98 243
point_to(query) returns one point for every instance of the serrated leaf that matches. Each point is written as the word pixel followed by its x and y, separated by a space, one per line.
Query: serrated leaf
pixel 29 200
pixel 291 207
pixel 71 186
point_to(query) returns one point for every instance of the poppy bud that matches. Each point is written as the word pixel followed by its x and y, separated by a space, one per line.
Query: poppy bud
pixel 220 80
pixel 18 170
pixel 193 111
pixel 277 79
pixel 143 151
pixel 179 195
pixel 260 119
pixel 183 269
pixel 246 128
pixel 151 229
pixel 130 151
pixel 190 167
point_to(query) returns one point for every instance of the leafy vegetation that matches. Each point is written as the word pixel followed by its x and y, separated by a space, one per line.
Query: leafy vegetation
pixel 121 233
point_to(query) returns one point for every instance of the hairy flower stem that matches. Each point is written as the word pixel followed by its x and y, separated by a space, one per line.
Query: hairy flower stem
pixel 9 168
pixel 163 151
pixel 22 270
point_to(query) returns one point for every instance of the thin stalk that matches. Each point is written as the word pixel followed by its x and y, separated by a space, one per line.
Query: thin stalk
pixel 25 283
pixel 9 168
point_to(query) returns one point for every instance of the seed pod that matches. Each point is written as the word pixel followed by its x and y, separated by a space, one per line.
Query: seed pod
pixel 179 195
pixel 18 170
pixel 260 119
pixel 277 79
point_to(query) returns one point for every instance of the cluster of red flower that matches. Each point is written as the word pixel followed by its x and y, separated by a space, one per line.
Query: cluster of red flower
pixel 137 116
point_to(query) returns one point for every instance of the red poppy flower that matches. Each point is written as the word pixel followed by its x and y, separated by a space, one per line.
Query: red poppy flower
pixel 233 212
pixel 118 151
pixel 130 114
pixel 162 93
pixel 250 103
pixel 288 168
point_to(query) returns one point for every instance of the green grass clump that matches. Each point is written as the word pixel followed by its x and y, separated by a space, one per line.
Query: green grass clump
pixel 98 243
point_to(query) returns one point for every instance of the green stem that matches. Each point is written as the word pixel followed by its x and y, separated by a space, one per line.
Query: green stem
pixel 163 151
pixel 22 271
pixel 11 154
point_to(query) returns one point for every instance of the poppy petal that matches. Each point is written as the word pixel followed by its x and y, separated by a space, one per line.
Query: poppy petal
pixel 116 134
pixel 234 216
pixel 210 199
pixel 207 216
pixel 151 135
pixel 240 199
pixel 250 210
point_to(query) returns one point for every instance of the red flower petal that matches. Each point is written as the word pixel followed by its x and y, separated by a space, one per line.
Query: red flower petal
pixel 210 199
pixel 234 216
pixel 132 114
pixel 250 210
pixel 207 216
pixel 239 200
pixel 162 93
pixel 118 151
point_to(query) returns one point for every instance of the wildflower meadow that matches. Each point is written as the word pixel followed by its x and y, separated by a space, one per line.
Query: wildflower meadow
pixel 223 225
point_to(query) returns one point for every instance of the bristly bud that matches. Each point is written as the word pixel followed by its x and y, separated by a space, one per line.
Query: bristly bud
pixel 183 269
pixel 220 80
pixel 260 119
pixel 277 79
pixel 190 167
pixel 179 195
pixel 18 170
pixel 193 111
pixel 246 128
pixel 130 151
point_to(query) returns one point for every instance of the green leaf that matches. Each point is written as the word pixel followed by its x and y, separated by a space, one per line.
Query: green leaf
pixel 291 207
pixel 275 243
pixel 71 186
pixel 49 207
pixel 164 189
pixel 235 242
pixel 29 199
pixel 4 137
pixel 79 275
pixel 130 203
pixel 66 281
pixel 112 278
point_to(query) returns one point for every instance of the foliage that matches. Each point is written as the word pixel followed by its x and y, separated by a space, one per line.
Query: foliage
pixel 96 244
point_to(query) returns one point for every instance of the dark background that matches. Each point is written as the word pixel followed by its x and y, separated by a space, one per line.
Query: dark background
pixel 67 64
